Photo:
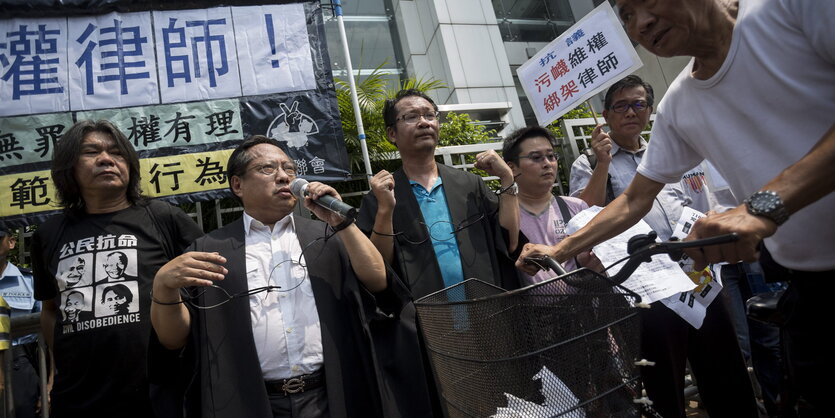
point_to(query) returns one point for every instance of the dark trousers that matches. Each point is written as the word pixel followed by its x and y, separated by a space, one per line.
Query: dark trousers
pixel 25 381
pixel 760 342
pixel 308 404
pixel 715 360
pixel 806 307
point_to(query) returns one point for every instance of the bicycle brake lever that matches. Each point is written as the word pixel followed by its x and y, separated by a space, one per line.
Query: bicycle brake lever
pixel 641 242
pixel 545 262
pixel 642 247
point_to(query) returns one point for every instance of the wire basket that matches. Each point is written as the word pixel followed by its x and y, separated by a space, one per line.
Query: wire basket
pixel 562 347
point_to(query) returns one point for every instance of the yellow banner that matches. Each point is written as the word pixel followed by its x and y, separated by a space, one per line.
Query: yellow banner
pixel 27 193
pixel 187 173
pixel 33 192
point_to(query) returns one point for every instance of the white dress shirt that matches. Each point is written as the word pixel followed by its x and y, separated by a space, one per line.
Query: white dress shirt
pixel 285 323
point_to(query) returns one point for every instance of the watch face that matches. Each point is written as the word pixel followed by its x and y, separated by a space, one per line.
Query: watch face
pixel 767 204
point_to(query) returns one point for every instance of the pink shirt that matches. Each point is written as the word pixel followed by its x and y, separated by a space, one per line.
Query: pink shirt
pixel 548 228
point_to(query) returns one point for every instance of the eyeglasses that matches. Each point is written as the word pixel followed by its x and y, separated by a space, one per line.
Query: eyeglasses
pixel 413 118
pixel 213 296
pixel 270 169
pixel 637 106
pixel 438 231
pixel 538 157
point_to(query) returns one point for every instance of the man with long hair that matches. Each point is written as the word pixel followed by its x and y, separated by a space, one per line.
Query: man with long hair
pixel 100 363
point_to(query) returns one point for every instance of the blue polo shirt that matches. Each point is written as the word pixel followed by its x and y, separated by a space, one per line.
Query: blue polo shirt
pixel 438 221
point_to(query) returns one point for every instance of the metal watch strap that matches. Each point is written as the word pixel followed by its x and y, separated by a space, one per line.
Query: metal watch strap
pixel 767 203
pixel 511 190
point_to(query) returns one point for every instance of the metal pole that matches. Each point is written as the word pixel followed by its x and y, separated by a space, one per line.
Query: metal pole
pixel 593 113
pixel 337 10
pixel 43 368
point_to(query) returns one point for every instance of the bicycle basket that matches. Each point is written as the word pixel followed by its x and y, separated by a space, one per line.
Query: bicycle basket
pixel 547 350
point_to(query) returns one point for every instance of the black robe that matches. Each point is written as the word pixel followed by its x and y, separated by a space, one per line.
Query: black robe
pixel 221 363
pixel 484 256
pixel 483 245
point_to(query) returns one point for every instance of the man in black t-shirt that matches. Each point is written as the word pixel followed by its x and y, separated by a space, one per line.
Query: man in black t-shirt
pixel 98 330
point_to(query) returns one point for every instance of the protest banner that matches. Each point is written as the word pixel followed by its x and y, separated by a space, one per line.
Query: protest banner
pixel 583 61
pixel 185 86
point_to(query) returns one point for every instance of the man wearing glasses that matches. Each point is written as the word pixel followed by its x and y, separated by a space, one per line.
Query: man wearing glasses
pixel 529 152
pixel 434 224
pixel 279 306
pixel 437 225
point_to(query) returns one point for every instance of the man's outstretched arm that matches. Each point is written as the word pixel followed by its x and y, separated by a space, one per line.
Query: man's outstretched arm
pixel 798 186
pixel 617 217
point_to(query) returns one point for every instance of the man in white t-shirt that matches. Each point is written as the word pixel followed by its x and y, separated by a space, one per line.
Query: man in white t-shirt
pixel 666 338
pixel 756 101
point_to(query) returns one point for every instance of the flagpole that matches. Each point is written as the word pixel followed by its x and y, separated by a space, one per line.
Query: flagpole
pixel 353 87
pixel 593 113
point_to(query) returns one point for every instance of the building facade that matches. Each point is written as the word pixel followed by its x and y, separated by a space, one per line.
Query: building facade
pixel 473 46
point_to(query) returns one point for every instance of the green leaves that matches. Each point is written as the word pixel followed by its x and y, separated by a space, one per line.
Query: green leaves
pixel 372 92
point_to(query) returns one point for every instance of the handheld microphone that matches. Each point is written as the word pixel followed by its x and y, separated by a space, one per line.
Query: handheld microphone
pixel 298 188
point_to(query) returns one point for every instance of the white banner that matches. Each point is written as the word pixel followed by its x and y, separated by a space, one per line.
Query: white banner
pixel 119 60
pixel 196 53
pixel 112 61
pixel 33 63
pixel 587 58
pixel 273 50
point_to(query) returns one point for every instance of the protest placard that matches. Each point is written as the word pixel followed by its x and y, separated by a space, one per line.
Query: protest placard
pixel 583 61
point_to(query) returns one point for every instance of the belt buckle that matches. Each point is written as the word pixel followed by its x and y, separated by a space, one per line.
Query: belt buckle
pixel 293 385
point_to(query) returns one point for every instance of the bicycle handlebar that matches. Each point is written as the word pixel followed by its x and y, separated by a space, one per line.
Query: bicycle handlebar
pixel 547 263
pixel 641 248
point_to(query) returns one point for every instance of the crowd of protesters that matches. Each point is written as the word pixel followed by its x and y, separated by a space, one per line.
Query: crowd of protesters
pixel 277 315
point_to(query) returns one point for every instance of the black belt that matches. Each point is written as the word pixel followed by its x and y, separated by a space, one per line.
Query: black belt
pixel 298 384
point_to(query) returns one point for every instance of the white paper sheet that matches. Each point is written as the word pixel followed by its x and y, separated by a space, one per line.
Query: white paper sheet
pixel 653 281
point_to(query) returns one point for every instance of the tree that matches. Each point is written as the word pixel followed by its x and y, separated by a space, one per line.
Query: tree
pixel 372 92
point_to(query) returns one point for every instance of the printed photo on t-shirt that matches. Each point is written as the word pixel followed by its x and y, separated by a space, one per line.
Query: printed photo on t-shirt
pixel 77 304
pixel 97 277
pixel 117 298
pixel 116 266
pixel 75 271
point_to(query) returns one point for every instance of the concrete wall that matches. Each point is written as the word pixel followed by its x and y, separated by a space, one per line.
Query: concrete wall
pixel 459 43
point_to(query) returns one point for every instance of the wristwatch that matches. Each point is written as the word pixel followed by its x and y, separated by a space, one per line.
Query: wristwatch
pixel 511 190
pixel 767 204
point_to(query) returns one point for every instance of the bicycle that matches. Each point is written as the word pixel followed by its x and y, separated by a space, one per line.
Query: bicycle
pixel 568 346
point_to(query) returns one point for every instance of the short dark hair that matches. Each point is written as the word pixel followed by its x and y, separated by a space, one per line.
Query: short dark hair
pixel 625 83
pixel 390 113
pixel 66 154
pixel 510 147
pixel 120 290
pixel 240 158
